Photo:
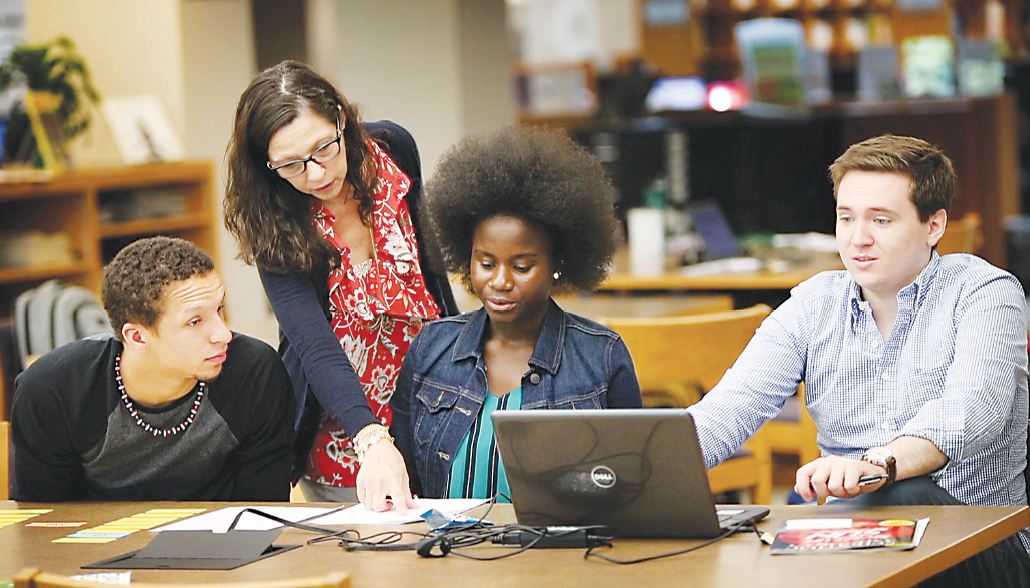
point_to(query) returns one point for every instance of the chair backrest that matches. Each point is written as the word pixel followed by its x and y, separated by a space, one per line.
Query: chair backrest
pixel 962 235
pixel 34 578
pixel 5 460
pixel 697 349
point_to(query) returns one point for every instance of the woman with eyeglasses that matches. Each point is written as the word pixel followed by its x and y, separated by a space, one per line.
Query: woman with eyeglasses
pixel 327 207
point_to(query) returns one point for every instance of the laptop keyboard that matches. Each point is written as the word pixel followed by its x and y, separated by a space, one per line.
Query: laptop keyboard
pixel 724 514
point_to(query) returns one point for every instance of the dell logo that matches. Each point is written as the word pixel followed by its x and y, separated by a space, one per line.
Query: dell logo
pixel 603 476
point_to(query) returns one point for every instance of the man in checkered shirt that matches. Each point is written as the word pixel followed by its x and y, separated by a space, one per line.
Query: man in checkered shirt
pixel 915 364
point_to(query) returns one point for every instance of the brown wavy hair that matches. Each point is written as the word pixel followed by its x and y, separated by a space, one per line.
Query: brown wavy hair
pixel 270 219
pixel 927 167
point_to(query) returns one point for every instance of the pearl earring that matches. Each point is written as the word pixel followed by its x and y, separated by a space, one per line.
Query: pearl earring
pixel 557 274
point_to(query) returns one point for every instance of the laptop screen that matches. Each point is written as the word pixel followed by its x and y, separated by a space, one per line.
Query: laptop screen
pixel 710 222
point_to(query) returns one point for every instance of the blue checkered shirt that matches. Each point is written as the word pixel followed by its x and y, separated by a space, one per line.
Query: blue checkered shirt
pixel 954 371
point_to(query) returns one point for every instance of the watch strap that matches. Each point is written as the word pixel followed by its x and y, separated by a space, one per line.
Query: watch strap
pixel 886 461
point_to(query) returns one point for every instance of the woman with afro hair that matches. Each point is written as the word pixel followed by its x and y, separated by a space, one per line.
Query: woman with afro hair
pixel 519 215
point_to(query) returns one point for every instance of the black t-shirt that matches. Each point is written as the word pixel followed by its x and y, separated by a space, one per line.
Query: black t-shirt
pixel 75 440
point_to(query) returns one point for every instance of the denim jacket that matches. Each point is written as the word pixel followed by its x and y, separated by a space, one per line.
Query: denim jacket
pixel 577 363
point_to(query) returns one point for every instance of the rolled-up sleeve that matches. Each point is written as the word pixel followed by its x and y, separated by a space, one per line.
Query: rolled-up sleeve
pixel 753 391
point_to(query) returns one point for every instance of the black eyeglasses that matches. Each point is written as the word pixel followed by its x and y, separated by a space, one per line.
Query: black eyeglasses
pixel 322 154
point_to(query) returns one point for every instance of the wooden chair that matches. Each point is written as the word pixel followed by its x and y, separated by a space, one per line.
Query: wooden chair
pixel 793 431
pixel 5 460
pixel 677 359
pixel 34 578
pixel 962 235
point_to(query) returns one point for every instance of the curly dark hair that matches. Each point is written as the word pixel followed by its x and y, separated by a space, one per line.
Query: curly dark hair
pixel 135 280
pixel 539 176
pixel 270 219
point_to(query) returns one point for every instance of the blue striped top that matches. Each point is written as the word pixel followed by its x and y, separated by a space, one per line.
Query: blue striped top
pixel 477 471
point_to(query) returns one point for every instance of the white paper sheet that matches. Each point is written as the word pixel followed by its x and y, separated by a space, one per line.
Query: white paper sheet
pixel 218 521
pixel 362 515
pixel 118 578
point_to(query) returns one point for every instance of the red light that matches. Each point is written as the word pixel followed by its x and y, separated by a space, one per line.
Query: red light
pixel 724 96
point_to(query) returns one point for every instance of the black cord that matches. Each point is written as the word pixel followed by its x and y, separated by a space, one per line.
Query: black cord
pixel 451 540
pixel 386 541
pixel 351 540
pixel 300 525
pixel 746 526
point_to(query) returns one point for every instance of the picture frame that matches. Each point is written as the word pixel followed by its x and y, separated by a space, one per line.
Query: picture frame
pixel 45 136
pixel 141 129
pixel 558 89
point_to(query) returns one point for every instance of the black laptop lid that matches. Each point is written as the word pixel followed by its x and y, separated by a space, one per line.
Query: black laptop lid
pixel 637 470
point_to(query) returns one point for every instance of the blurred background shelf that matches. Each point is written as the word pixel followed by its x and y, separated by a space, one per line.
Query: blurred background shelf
pixel 173 199
pixel 193 222
pixel 70 272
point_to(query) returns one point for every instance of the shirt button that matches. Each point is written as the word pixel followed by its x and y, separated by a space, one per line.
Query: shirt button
pixel 885 376
pixel 534 378
pixel 886 425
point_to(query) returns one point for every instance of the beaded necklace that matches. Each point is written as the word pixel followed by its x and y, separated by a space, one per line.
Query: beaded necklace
pixel 139 419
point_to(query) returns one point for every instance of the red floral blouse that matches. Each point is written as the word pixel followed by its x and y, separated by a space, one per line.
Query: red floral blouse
pixel 377 308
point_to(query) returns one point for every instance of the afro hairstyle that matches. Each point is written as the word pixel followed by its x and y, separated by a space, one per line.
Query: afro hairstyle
pixel 539 176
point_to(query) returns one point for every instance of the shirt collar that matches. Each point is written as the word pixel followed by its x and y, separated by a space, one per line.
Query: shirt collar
pixel 912 294
pixel 549 344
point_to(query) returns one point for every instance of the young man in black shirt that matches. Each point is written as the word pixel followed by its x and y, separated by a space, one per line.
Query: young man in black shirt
pixel 174 406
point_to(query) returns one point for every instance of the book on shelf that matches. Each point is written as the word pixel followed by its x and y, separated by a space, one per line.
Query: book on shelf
pixel 831 535
pixel 878 75
pixel 33 249
pixel 981 68
pixel 774 60
pixel 928 66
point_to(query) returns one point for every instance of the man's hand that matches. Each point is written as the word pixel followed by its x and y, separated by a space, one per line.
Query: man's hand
pixel 835 476
pixel 383 479
pixel 838 476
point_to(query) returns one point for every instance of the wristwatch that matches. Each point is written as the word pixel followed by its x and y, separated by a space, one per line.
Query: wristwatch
pixel 882 457
pixel 368 436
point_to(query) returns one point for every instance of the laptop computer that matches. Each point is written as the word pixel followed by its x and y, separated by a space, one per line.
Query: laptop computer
pixel 639 471
pixel 710 223
pixel 724 251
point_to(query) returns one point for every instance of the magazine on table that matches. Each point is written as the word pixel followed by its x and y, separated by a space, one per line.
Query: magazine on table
pixel 832 535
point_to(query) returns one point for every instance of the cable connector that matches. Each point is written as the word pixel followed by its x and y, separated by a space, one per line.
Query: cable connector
pixel 554 537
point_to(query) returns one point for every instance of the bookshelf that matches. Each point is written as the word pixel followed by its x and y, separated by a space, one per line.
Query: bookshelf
pixel 703 44
pixel 98 211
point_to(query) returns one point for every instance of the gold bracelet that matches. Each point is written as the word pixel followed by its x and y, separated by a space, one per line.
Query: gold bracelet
pixel 368 436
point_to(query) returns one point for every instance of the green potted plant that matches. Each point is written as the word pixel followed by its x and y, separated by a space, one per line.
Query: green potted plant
pixel 58 81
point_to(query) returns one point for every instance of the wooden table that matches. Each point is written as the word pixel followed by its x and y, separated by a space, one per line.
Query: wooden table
pixel 954 533
pixel 596 306
pixel 746 288
pixel 761 280
pixel 625 304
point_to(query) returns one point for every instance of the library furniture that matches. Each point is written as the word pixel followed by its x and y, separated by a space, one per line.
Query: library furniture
pixel 954 533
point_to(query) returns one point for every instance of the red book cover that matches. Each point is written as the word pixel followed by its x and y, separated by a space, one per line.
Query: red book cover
pixel 830 535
